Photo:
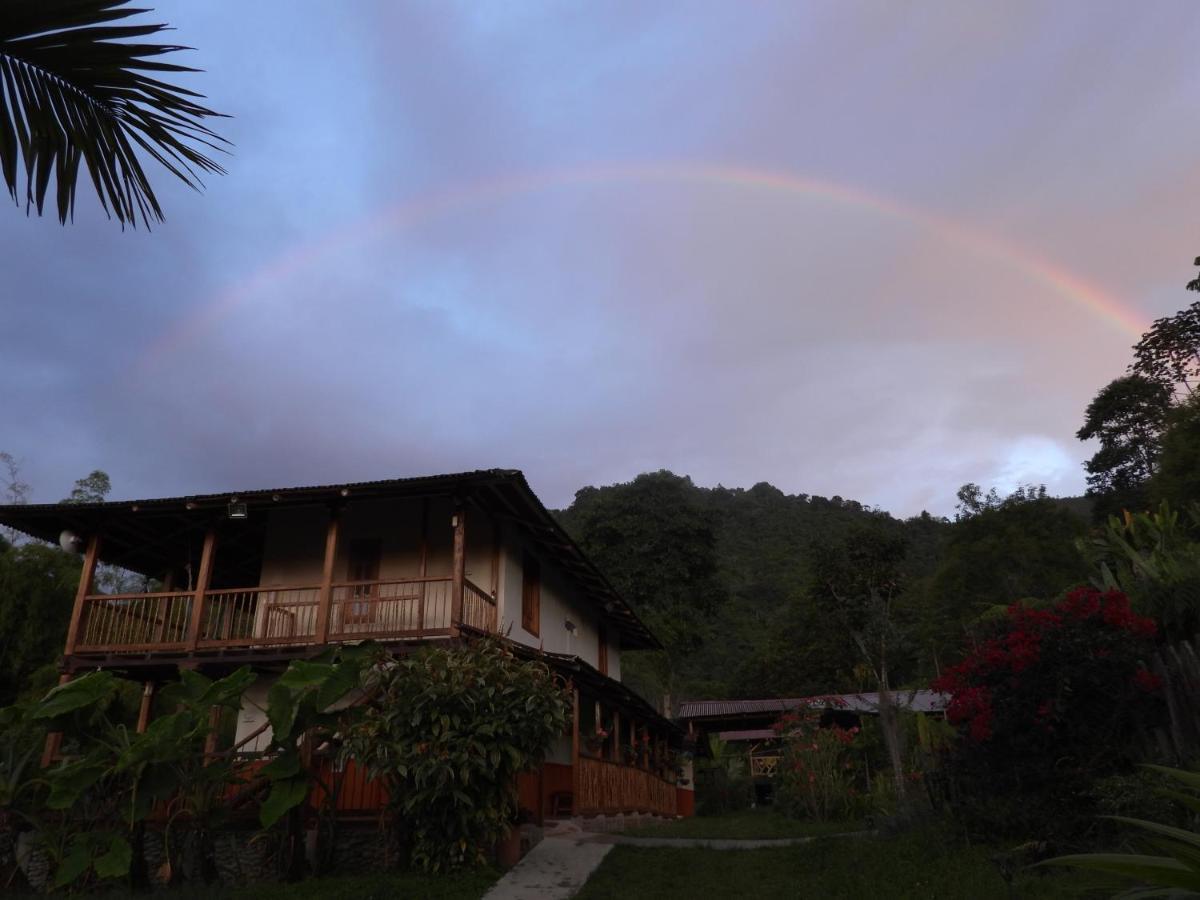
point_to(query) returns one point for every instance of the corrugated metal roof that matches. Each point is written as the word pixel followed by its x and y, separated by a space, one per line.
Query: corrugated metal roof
pixel 751 734
pixel 917 701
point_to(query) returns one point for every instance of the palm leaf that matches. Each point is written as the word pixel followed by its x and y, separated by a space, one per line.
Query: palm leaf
pixel 74 90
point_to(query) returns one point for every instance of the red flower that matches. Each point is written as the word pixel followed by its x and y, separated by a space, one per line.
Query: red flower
pixel 1147 681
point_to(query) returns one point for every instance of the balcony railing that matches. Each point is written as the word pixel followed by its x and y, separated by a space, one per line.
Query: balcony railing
pixel 288 615
pixel 608 787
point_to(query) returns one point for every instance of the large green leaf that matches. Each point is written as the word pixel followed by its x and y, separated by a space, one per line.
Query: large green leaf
pixel 82 692
pixel 74 90
pixel 75 861
pixel 67 783
pixel 285 795
pixel 114 863
pixel 281 711
pixel 1156 870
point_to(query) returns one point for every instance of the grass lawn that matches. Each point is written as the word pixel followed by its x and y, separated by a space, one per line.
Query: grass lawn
pixel 914 867
pixel 750 824
pixel 392 886
pixel 460 886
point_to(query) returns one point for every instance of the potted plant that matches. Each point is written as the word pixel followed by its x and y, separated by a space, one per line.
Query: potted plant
pixel 596 739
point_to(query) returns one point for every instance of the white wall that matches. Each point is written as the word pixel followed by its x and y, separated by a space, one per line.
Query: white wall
pixel 560 603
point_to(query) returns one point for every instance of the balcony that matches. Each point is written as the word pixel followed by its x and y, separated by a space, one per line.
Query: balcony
pixel 291 616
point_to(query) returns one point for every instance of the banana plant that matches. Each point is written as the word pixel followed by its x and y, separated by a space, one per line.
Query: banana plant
pixel 1175 870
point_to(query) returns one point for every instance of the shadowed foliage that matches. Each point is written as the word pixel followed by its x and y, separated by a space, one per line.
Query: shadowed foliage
pixel 75 89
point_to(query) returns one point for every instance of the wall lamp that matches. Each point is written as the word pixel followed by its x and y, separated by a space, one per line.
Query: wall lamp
pixel 237 509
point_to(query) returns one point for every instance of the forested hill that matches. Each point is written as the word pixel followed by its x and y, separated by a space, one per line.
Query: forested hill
pixel 738 582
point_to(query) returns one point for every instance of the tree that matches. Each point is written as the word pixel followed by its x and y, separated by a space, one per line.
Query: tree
pixel 74 89
pixel 1170 351
pixel 92 488
pixel 857 582
pixel 1127 416
pixel 37 593
pixel 1177 480
pixel 656 542
pixel 16 491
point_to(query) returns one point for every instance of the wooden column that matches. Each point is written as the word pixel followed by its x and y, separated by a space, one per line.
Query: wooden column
pixel 143 721
pixel 576 781
pixel 210 740
pixel 202 580
pixel 616 736
pixel 423 563
pixel 325 599
pixel 54 738
pixel 86 577
pixel 460 565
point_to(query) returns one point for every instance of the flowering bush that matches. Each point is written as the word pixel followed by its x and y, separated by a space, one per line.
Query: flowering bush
pixel 1048 703
pixel 815 778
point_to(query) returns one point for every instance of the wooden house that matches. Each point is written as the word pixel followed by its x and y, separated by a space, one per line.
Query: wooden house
pixel 268 576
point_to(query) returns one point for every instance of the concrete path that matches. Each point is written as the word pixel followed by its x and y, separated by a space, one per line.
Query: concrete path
pixel 553 870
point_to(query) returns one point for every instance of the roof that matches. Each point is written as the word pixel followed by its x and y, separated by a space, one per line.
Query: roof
pixel 917 701
pixel 749 734
pixel 137 532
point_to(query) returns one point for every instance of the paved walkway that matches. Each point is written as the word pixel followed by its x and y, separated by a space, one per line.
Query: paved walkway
pixel 553 870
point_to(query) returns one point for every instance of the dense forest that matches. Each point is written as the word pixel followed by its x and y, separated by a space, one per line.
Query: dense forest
pixel 734 580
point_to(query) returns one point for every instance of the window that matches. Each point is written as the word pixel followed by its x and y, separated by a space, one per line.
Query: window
pixel 363 565
pixel 531 595
pixel 602 655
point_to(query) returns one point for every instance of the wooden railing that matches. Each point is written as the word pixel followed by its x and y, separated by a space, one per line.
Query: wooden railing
pixel 479 609
pixel 287 615
pixel 607 787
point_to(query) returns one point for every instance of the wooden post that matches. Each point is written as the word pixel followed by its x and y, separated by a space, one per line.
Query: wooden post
pixel 423 563
pixel 86 577
pixel 576 780
pixel 325 599
pixel 143 721
pixel 202 579
pixel 54 738
pixel 210 739
pixel 460 564
pixel 616 736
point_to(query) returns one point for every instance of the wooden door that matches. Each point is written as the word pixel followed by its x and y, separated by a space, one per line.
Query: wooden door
pixel 363 566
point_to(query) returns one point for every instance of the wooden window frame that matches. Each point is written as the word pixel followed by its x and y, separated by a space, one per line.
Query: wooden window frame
pixel 531 594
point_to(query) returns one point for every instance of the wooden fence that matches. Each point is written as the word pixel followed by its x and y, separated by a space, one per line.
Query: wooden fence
pixel 606 787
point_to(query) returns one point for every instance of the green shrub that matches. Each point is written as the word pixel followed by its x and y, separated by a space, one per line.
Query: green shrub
pixel 448 730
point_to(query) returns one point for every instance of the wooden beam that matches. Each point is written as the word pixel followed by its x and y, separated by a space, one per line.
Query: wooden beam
pixel 210 739
pixel 202 580
pixel 86 577
pixel 460 564
pixel 325 597
pixel 143 721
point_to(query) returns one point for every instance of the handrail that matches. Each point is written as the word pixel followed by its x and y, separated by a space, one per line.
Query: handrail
pixel 399 580
pixel 150 596
pixel 483 595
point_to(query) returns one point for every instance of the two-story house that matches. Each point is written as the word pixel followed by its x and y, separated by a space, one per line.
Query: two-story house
pixel 267 576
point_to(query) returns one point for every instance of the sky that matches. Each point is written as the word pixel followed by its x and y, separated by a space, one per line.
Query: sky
pixel 866 249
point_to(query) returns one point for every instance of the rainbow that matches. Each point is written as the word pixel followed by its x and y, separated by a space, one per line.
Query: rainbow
pixel 1062 282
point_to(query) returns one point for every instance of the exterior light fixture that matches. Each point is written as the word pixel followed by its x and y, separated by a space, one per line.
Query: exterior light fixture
pixel 237 509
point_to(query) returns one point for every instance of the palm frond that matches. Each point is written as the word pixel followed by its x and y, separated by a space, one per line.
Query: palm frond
pixel 75 90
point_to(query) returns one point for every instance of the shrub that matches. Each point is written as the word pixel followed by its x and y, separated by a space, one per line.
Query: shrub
pixel 722 785
pixel 816 776
pixel 448 730
pixel 1046 705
